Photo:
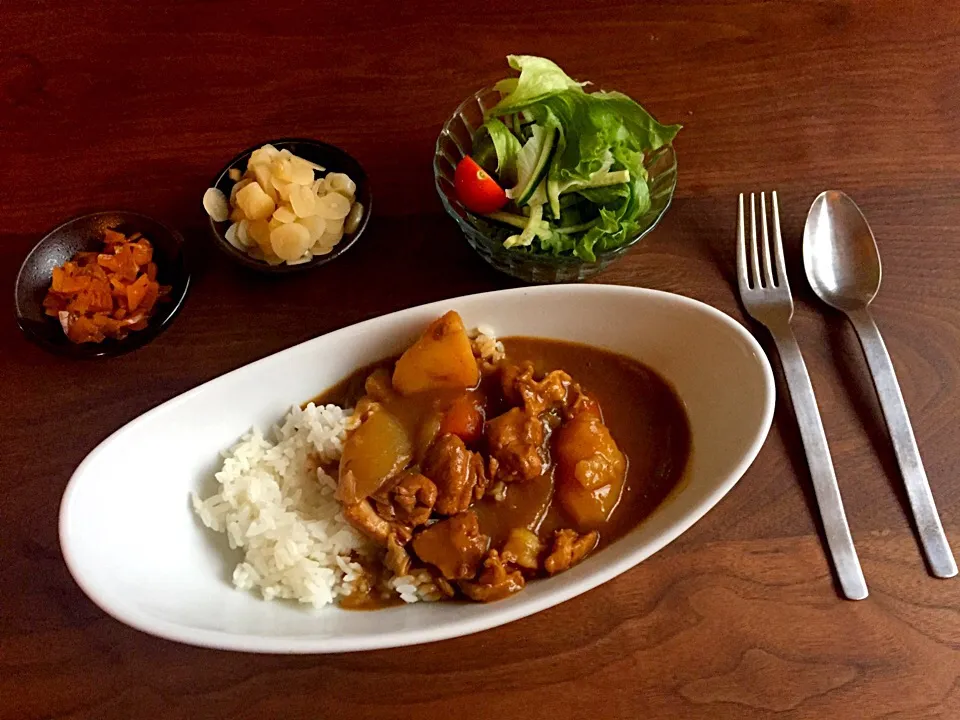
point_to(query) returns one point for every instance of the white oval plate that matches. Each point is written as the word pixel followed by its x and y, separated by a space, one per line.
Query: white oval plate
pixel 135 547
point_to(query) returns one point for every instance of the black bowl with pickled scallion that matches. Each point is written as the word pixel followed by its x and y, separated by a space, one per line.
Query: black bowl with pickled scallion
pixel 332 159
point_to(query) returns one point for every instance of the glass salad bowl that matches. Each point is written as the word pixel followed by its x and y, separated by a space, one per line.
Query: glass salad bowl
pixel 486 236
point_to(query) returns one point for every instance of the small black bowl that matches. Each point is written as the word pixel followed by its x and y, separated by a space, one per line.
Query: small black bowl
pixel 333 159
pixel 85 234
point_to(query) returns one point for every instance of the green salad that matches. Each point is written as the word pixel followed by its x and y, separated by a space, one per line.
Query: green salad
pixel 562 167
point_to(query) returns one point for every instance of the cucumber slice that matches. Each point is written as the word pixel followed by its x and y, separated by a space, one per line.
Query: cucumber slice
pixel 532 165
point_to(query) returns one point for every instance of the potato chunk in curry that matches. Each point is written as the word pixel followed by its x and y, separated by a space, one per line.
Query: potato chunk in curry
pixel 441 358
pixel 374 452
pixel 590 469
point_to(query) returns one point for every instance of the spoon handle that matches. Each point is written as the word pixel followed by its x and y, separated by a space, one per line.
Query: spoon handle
pixel 932 537
pixel 835 526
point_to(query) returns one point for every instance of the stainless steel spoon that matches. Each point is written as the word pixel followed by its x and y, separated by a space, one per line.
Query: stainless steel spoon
pixel 842 263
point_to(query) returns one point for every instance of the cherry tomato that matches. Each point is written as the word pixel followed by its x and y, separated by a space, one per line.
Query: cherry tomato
pixel 476 189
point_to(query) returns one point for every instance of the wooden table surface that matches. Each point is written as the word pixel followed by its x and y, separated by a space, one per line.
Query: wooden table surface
pixel 136 105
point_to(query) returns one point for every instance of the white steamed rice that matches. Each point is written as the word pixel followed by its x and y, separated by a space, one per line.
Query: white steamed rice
pixel 276 503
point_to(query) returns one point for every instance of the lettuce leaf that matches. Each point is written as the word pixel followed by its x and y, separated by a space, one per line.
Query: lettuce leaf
pixel 507 148
pixel 539 77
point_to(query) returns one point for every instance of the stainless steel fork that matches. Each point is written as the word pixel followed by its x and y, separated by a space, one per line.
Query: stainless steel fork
pixel 765 293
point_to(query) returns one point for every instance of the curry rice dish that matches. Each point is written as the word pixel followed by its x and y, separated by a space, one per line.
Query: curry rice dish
pixel 466 468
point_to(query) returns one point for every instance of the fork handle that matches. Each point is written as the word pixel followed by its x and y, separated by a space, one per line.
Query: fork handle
pixel 934 540
pixel 834 519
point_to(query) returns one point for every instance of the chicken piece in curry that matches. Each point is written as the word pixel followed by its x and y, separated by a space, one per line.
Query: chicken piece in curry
pixel 492 472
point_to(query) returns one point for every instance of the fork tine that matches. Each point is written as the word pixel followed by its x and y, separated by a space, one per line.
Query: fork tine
pixel 742 276
pixel 765 247
pixel 754 255
pixel 778 244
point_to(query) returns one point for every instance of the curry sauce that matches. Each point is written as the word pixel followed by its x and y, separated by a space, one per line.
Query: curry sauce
pixel 645 417
pixel 639 409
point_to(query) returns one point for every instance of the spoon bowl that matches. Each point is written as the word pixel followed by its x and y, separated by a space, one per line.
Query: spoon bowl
pixel 840 254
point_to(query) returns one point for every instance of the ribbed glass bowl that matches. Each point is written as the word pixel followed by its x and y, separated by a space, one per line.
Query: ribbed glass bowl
pixel 486 237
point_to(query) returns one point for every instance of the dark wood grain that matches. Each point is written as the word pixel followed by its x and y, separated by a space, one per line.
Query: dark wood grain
pixel 136 105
